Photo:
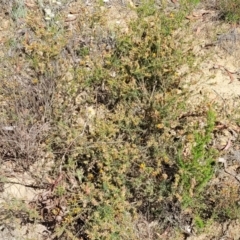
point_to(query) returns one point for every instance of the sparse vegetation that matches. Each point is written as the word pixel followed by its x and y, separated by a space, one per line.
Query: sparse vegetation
pixel 229 10
pixel 98 117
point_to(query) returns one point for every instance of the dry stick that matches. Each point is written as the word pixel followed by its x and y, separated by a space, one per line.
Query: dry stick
pixel 154 87
pixel 69 146
pixel 25 185
pixel 228 72
pixel 229 173
pixel 224 104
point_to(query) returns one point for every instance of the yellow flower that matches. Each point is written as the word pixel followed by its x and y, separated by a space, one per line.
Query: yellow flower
pixel 160 126
pixel 35 81
pixel 155 173
pixel 142 166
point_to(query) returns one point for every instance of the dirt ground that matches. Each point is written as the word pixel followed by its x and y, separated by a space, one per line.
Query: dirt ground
pixel 217 81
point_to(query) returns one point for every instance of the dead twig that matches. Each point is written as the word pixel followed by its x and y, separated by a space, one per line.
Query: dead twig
pixel 230 73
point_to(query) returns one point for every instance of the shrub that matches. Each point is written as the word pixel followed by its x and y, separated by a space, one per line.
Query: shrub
pixel 229 9
pixel 108 109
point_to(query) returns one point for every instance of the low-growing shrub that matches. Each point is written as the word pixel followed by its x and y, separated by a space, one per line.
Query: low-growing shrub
pixel 108 109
